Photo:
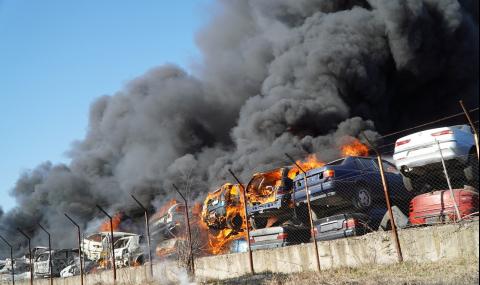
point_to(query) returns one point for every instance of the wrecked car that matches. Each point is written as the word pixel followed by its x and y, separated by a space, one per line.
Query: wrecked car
pixel 223 209
pixel 273 237
pixel 59 259
pixel 350 183
pixel 96 246
pixel 418 157
pixel 269 198
pixel 168 221
pixel 128 251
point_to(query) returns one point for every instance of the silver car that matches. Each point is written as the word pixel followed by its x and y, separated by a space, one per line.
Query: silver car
pixel 419 156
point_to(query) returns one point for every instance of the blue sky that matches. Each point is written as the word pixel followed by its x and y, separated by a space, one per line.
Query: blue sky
pixel 57 56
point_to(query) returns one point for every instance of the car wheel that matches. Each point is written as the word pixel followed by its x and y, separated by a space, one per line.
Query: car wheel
pixel 408 183
pixel 258 223
pixel 235 222
pixel 362 199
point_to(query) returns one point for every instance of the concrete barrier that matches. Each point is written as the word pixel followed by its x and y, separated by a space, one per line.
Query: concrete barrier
pixel 418 245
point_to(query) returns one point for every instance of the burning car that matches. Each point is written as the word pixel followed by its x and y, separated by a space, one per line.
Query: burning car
pixel 269 198
pixel 223 209
pixel 352 182
pixel 168 221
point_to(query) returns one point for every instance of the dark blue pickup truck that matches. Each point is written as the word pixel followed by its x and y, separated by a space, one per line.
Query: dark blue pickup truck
pixel 352 183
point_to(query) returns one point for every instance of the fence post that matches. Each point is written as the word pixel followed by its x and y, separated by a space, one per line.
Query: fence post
pixel 452 195
pixel 387 199
pixel 114 266
pixel 312 227
pixel 30 252
pixel 147 231
pixel 244 196
pixel 79 246
pixel 11 259
pixel 475 133
pixel 49 254
pixel 192 264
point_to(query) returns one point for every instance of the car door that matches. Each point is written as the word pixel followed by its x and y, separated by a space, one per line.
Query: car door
pixel 370 175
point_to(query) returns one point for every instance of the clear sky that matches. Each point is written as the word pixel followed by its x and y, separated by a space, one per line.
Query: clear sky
pixel 57 56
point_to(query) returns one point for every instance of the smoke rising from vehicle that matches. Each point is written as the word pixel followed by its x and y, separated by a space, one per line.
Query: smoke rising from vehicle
pixel 296 76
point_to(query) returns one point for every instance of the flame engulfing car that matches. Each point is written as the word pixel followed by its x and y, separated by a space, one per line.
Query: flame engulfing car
pixel 222 209
pixel 168 221
pixel 269 198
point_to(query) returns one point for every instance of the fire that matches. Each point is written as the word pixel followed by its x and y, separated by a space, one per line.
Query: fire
pixel 116 221
pixel 222 229
pixel 164 209
pixel 354 148
pixel 311 162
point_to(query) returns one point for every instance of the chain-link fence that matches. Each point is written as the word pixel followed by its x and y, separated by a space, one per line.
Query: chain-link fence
pixel 420 181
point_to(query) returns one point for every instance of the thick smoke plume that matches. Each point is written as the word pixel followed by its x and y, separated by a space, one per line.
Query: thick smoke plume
pixel 275 76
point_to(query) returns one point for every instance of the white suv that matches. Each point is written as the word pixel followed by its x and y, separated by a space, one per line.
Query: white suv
pixel 418 157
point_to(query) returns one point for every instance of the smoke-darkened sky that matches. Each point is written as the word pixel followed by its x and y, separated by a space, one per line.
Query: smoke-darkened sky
pixel 274 76
pixel 56 57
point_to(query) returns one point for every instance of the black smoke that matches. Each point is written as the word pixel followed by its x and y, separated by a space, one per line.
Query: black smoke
pixel 275 76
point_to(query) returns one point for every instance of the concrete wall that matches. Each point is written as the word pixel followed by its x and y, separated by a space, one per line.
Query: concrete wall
pixel 418 245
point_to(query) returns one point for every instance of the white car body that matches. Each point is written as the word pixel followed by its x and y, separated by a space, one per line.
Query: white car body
pixel 94 245
pixel 127 250
pixel 60 259
pixel 423 148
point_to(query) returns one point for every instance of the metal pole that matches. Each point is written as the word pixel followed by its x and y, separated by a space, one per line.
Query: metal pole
pixel 244 196
pixel 387 199
pixel 11 258
pixel 111 243
pixel 79 246
pixel 30 252
pixel 49 253
pixel 147 232
pixel 192 264
pixel 452 195
pixel 475 136
pixel 312 227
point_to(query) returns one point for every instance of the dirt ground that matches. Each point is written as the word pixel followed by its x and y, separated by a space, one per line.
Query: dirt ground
pixel 451 272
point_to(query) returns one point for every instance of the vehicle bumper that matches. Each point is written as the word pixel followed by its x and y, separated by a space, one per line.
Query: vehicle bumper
pixel 340 234
pixel 269 245
pixel 430 155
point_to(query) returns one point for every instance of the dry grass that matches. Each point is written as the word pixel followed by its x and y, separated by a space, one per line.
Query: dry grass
pixel 447 272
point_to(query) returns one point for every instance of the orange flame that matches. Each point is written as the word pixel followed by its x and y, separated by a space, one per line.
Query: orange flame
pixel 222 229
pixel 311 162
pixel 354 148
pixel 116 221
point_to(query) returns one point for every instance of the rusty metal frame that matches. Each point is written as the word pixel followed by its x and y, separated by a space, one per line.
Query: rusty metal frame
pixel 49 254
pixel 114 266
pixel 312 227
pixel 387 199
pixel 147 232
pixel 11 258
pixel 79 245
pixel 30 252
pixel 192 261
pixel 244 196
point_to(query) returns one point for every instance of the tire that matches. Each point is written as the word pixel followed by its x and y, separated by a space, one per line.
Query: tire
pixel 362 199
pixel 471 171
pixel 235 222
pixel 258 223
pixel 408 184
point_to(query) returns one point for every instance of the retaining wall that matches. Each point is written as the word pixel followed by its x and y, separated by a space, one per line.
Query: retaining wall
pixel 418 245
